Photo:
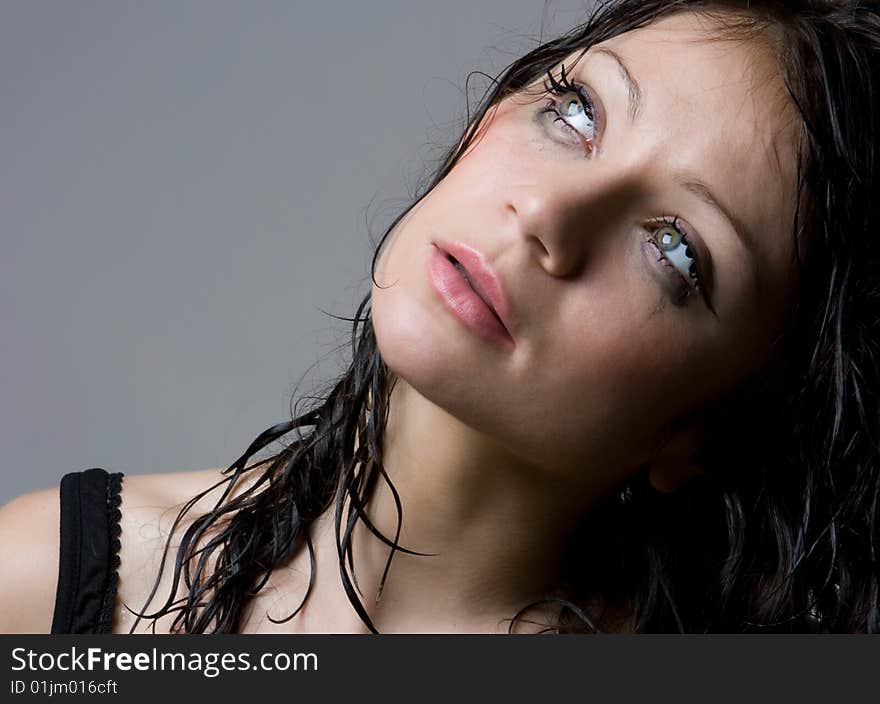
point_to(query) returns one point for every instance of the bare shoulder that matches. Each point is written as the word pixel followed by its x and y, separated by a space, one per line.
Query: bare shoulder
pixel 29 543
pixel 30 539
pixel 152 526
pixel 160 492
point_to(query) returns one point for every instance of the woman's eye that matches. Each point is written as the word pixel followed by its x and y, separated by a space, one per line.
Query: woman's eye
pixel 573 106
pixel 672 244
pixel 575 112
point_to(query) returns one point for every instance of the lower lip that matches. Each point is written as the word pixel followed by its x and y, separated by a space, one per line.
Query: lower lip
pixel 463 301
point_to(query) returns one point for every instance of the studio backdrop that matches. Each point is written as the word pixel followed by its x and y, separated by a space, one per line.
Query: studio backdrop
pixel 188 192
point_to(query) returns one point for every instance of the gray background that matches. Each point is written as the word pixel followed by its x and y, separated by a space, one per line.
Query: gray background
pixel 185 184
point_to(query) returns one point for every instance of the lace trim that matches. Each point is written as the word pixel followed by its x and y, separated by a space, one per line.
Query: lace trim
pixel 113 501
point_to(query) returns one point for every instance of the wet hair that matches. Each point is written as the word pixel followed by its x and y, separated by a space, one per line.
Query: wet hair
pixel 780 533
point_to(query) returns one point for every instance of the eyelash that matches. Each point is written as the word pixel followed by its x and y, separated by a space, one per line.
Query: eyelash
pixel 562 86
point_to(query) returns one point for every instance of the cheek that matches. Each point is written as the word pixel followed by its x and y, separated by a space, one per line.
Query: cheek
pixel 621 376
pixel 405 339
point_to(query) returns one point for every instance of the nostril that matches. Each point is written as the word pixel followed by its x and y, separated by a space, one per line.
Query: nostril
pixel 539 245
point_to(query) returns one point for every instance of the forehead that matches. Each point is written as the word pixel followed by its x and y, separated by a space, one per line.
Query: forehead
pixel 717 108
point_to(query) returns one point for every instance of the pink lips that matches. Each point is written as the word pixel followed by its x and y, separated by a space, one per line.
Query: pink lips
pixel 475 297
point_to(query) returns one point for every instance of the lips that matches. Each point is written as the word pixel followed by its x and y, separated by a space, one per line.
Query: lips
pixel 472 284
pixel 479 275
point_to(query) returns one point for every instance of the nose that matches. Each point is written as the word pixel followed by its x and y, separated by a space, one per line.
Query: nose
pixel 565 220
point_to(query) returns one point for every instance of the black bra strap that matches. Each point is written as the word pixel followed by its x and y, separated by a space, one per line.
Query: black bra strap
pixel 89 555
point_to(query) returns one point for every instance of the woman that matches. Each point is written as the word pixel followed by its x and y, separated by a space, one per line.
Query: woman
pixel 616 371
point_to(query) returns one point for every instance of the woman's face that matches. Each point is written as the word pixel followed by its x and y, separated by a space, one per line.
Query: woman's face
pixel 579 213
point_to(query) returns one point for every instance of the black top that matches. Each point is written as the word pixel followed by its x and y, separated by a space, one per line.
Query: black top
pixel 89 556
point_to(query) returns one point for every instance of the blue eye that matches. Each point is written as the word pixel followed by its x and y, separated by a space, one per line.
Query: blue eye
pixel 673 244
pixel 575 109
pixel 670 240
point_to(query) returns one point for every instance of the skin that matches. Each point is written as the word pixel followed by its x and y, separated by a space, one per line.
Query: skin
pixel 498 452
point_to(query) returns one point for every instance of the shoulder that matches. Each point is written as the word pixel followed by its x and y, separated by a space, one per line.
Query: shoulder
pixel 155 500
pixel 29 543
pixel 158 492
pixel 30 539
pixel 151 506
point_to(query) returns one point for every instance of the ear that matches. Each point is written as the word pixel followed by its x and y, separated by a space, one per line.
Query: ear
pixel 675 463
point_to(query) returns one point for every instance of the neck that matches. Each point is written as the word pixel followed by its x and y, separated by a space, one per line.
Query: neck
pixel 497 528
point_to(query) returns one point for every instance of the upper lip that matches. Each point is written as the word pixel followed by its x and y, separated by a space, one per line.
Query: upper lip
pixel 482 278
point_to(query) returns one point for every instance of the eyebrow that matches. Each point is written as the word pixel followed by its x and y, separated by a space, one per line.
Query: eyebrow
pixel 692 183
pixel 688 180
pixel 633 89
